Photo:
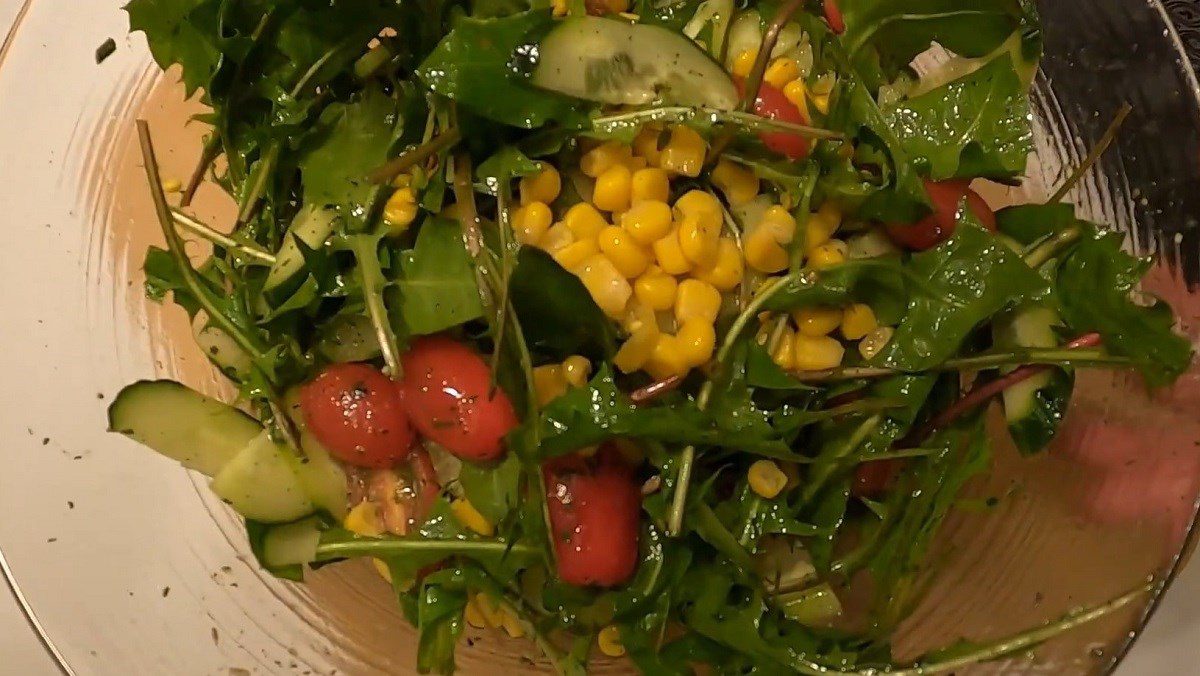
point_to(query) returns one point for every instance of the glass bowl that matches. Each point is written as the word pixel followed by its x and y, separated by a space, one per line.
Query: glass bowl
pixel 130 565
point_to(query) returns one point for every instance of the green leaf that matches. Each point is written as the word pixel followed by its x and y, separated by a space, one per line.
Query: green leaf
pixel 505 165
pixel 437 280
pixel 356 137
pixel 970 277
pixel 493 490
pixel 1028 223
pixel 182 32
pixel 763 372
pixel 878 282
pixel 439 624
pixel 1094 286
pixel 557 314
pixel 484 65
pixel 975 126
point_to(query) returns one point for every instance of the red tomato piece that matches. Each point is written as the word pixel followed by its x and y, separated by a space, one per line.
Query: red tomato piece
pixel 355 412
pixel 938 226
pixel 447 389
pixel 773 105
pixel 872 479
pixel 594 508
pixel 833 15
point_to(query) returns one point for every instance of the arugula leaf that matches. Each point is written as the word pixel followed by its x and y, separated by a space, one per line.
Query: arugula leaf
pixel 878 282
pixel 479 65
pixel 493 490
pixel 437 280
pixel 356 137
pixel 970 277
pixel 1028 223
pixel 182 32
pixel 974 126
pixel 506 164
pixel 1094 285
pixel 762 372
pixel 439 624
pixel 558 316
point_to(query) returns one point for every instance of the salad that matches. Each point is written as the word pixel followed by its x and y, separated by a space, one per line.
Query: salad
pixel 633 328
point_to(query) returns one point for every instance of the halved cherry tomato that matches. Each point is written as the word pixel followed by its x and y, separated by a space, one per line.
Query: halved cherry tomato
pixel 872 479
pixel 594 505
pixel 356 413
pixel 938 226
pixel 447 389
pixel 773 105
pixel 833 15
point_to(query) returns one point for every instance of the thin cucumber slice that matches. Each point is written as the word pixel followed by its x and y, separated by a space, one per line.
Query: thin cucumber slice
pixel 291 544
pixel 199 432
pixel 262 484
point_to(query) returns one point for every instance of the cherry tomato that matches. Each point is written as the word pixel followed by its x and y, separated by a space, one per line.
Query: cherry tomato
pixel 872 479
pixel 446 390
pixel 938 226
pixel 833 15
pixel 594 505
pixel 773 105
pixel 356 413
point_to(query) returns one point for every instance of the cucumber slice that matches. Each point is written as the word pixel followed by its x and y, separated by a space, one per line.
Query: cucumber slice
pixel 291 544
pixel 616 62
pixel 349 338
pixel 199 432
pixel 312 225
pixel 220 348
pixel 816 606
pixel 1028 327
pixel 262 484
pixel 323 479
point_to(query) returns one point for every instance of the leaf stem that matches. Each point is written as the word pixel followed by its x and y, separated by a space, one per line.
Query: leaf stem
pixel 1052 246
pixel 1098 150
pixel 384 546
pixel 1052 356
pixel 201 229
pixel 613 123
pixel 212 148
pixel 770 38
pixel 258 182
pixel 365 248
pixel 412 157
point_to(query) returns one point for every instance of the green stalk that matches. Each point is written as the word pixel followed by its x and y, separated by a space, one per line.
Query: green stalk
pixel 610 124
pixel 770 38
pixel 1052 246
pixel 822 472
pixel 258 178
pixel 386 546
pixel 365 248
pixel 411 158
pixel 212 148
pixel 201 229
pixel 1052 356
pixel 1094 156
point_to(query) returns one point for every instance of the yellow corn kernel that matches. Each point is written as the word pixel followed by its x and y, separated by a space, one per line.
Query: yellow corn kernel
pixel 763 253
pixel 646 144
pixel 697 339
pixel 470 517
pixel 558 237
pixel 857 321
pixel 668 253
pixel 530 222
pixel 602 158
pixel 609 641
pixel 647 221
pixel 727 270
pixel 699 240
pixel 667 358
pixel 512 625
pixel 817 320
pixel 636 163
pixel 549 383
pixel 491 611
pixel 616 6
pixel 874 342
pixel 543 186
pixel 817 353
pixel 629 258
pixel 575 370
pixel 605 283
pixel 699 203
pixel 697 300
pixel 781 71
pixel 743 63
pixel 636 314
pixel 400 210
pixel 797 93
pixel 779 223
pixel 636 351
pixel 655 289
pixel 738 183
pixel 613 189
pixel 363 520
pixel 174 185
pixel 784 355
pixel 575 253
pixel 584 221
pixel 559 7
pixel 473 615
pixel 766 479
pixel 821 226
pixel 684 152
pixel 650 183
pixel 827 255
